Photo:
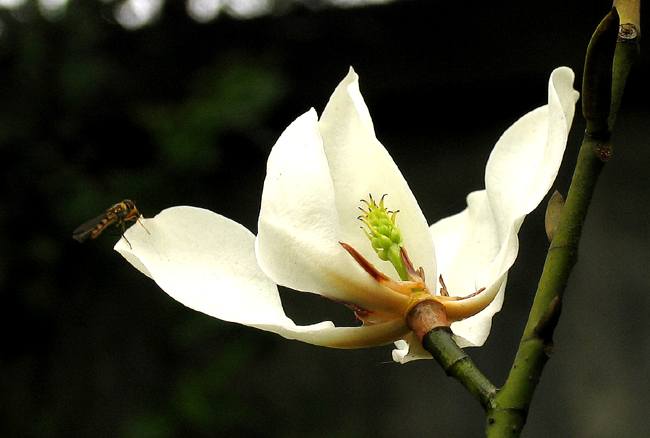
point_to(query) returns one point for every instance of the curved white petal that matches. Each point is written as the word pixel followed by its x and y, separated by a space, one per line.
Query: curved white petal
pixel 477 247
pixel 526 159
pixel 207 262
pixel 359 166
pixel 299 232
pixel 468 245
pixel 408 349
pixel 326 335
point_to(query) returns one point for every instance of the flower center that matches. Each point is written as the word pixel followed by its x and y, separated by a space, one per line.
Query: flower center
pixel 384 234
pixel 386 239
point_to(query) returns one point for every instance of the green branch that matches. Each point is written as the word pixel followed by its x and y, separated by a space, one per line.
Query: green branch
pixel 603 85
pixel 606 68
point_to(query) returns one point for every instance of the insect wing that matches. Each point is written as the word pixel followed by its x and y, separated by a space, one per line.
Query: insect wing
pixel 118 214
pixel 93 227
pixel 84 231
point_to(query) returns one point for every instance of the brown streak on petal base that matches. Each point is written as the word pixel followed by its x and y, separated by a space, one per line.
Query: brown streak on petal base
pixel 413 274
pixel 365 264
pixel 367 317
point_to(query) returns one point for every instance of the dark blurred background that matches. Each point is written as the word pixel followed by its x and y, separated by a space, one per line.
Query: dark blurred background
pixel 98 104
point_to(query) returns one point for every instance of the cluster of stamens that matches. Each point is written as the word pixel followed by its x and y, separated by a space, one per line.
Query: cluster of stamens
pixel 385 237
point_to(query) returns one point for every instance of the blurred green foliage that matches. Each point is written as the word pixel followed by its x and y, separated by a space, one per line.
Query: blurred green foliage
pixel 91 114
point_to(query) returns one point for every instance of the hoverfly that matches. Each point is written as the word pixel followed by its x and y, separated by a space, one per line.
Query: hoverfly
pixel 117 215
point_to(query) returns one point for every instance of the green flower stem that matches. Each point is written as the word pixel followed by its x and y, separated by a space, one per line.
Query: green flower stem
pixel 602 89
pixel 428 320
pixel 457 364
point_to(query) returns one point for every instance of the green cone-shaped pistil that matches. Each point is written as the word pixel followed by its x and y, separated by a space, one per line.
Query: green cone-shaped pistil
pixel 384 234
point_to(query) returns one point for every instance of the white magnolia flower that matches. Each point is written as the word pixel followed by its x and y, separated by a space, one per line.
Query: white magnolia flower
pixel 309 237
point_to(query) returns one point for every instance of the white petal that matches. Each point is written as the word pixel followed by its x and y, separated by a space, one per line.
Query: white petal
pixel 207 262
pixel 408 349
pixel 401 351
pixel 477 247
pixel 325 334
pixel 359 166
pixel 467 245
pixel 526 159
pixel 298 230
